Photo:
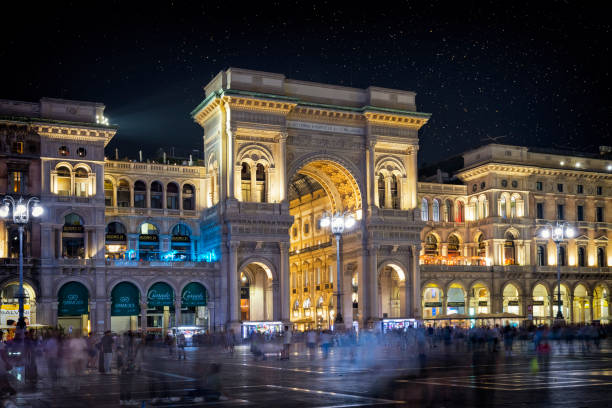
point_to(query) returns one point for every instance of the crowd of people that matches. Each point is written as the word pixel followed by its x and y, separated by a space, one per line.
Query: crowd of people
pixel 64 358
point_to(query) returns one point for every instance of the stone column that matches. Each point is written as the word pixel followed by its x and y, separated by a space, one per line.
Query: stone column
pixel 285 292
pixel 234 290
pixel 143 317
pixel 571 309
pixel 238 176
pixel 177 311
pixel 59 242
pixel 164 195
pixel 282 167
pixel 148 202
pixel 372 284
pixel 371 178
pixel 408 295
pixel 551 303
pixel 415 274
pixel 254 192
pixel 273 294
pixel 364 305
pixel 388 198
pixel 86 244
pixel 590 317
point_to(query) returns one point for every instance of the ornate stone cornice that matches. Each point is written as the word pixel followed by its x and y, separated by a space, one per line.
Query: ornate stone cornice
pixel 74 132
pixel 396 119
pixel 527 170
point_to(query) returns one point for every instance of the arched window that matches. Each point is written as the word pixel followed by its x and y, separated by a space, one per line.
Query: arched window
pixel 188 197
pixel 509 250
pixel 581 256
pixel 395 197
pixel 424 210
pixel 123 194
pixel 502 207
pixel 172 196
pixel 562 257
pixel 81 182
pixel 431 245
pixel 156 195
pixel 453 245
pixel 448 211
pixel 381 191
pixel 245 177
pixel 473 209
pixel 108 193
pixel 64 184
pixel 260 181
pixel 460 211
pixel 512 207
pixel 481 250
pixel 140 194
pixel 181 243
pixel 436 210
pixel 601 257
pixel 73 237
pixel 541 255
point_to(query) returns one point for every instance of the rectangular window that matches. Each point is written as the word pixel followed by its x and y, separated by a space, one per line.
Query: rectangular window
pixel 580 213
pixel 539 186
pixel 600 214
pixel 560 187
pixel 17 147
pixel 560 212
pixel 540 210
pixel 599 190
pixel 579 189
pixel 17 182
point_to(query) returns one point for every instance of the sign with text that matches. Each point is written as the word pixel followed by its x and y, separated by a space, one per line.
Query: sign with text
pixel 125 300
pixel 433 304
pixel 455 304
pixel 73 229
pixel 115 237
pixel 11 312
pixel 323 127
pixel 160 294
pixel 193 295
pixel 73 300
pixel 148 238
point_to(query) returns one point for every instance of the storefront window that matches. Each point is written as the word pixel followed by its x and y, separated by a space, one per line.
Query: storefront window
pixel 81 182
pixel 479 303
pixel 541 304
pixel 432 302
pixel 456 300
pixel 64 183
pixel 511 299
pixel 509 250
pixel 194 309
pixel 73 237
pixel 181 243
pixel 115 241
pixel 148 242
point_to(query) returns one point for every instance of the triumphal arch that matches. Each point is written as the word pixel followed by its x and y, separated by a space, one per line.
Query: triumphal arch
pixel 279 154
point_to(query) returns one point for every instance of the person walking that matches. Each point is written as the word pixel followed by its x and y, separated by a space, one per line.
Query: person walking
pixel 181 342
pixel 107 349
pixel 125 366
pixel 286 343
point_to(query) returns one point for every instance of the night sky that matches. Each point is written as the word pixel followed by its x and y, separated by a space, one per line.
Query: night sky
pixel 536 74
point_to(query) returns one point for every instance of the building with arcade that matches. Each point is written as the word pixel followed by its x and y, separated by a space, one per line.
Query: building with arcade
pixel 237 238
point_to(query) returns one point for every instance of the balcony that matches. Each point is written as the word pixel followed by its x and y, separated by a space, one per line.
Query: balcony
pixel 122 263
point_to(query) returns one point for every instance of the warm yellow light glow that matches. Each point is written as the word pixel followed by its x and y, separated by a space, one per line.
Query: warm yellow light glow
pixel 552 260
pixel 358 214
pixel 571 260
pixel 114 248
pixel 591 261
pixel 400 273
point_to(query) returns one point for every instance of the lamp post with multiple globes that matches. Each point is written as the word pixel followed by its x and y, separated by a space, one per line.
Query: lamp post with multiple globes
pixel 558 233
pixel 20 210
pixel 338 222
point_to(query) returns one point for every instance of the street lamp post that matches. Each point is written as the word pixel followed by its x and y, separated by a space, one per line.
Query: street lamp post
pixel 558 233
pixel 338 222
pixel 21 216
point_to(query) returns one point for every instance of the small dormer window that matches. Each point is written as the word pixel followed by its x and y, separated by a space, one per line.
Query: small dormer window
pixel 81 152
pixel 63 151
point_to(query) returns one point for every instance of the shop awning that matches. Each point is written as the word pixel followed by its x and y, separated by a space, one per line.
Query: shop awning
pixel 125 300
pixel 160 294
pixel 73 300
pixel 194 294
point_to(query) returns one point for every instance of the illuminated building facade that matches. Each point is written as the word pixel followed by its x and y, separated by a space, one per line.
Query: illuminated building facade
pixel 237 238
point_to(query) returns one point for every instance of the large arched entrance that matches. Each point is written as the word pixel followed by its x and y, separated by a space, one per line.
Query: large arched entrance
pixel 581 307
pixel 73 308
pixel 541 304
pixel 392 293
pixel 160 308
pixel 600 304
pixel 256 292
pixel 318 187
pixel 125 307
pixel 9 309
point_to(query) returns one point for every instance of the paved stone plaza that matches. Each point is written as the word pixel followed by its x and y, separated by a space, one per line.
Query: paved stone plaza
pixel 369 377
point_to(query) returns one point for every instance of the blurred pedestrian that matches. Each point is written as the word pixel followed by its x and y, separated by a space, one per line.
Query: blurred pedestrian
pixel 286 343
pixel 107 350
pixel 181 342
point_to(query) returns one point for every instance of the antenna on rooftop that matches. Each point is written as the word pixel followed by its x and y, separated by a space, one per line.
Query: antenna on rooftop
pixel 493 138
pixel 116 153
